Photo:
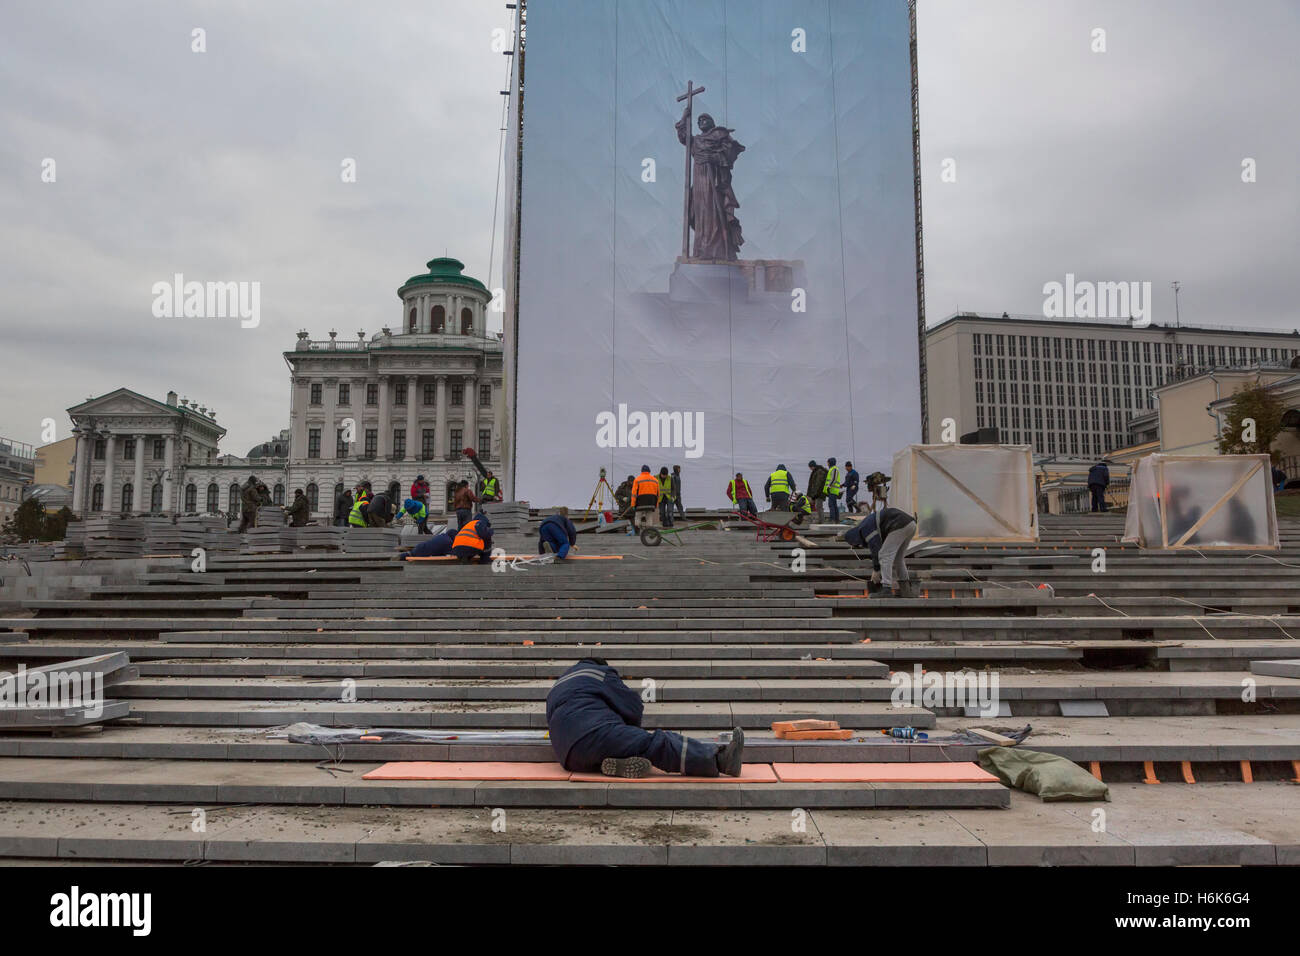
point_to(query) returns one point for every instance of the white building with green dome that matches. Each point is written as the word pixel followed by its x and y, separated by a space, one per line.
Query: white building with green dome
pixel 402 402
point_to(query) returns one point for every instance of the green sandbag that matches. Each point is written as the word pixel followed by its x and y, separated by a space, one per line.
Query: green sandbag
pixel 1049 776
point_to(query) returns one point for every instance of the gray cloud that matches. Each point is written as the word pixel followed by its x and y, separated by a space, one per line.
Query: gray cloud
pixel 225 166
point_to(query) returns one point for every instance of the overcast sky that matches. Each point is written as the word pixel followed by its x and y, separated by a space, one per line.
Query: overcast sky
pixel 225 165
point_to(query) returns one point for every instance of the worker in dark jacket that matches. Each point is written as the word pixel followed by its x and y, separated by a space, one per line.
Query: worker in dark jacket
pixel 778 488
pixel 623 498
pixel 463 501
pixel 438 546
pixel 851 481
pixel 249 502
pixel 665 497
pixel 817 486
pixel 1098 479
pixel 342 507
pixel 380 511
pixel 677 491
pixel 473 542
pixel 300 510
pixel 886 533
pixel 595 724
pixel 557 531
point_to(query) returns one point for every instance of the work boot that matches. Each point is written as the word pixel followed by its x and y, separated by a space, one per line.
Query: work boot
pixel 729 758
pixel 625 767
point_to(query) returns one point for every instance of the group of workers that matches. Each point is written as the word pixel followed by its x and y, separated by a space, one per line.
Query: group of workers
pixel 641 496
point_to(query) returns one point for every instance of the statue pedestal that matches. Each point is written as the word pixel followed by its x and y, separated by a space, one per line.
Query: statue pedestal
pixel 744 280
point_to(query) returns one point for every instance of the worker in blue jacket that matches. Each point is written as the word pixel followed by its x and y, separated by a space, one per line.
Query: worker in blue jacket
pixel 886 533
pixel 438 546
pixel 1098 479
pixel 417 510
pixel 557 531
pixel 595 724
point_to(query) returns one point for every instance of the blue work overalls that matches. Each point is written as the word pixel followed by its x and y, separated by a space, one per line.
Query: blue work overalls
pixel 592 715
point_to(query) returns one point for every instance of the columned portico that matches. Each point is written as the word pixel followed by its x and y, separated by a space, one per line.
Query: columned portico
pixel 112 504
pixel 471 412
pixel 138 502
pixel 82 472
pixel 169 463
pixel 385 424
pixel 440 419
pixel 329 433
pixel 412 451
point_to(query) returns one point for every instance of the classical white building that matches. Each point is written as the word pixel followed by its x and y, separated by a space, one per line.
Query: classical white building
pixel 132 451
pixel 385 409
pixel 401 403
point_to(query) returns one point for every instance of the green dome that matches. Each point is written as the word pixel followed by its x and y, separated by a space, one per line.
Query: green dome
pixel 444 271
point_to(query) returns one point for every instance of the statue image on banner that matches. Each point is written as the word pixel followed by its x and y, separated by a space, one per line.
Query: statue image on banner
pixel 711 202
pixel 713 271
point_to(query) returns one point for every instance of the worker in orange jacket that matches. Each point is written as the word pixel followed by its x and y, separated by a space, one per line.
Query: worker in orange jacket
pixel 645 496
pixel 473 542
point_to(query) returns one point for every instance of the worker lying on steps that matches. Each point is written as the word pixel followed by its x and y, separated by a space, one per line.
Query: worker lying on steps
pixel 558 532
pixel 595 724
pixel 438 546
pixel 473 542
pixel 886 533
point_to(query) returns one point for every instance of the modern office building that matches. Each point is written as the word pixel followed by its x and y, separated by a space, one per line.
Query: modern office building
pixel 1071 386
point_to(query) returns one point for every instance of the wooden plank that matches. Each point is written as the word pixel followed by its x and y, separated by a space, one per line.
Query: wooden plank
pixel 1219 504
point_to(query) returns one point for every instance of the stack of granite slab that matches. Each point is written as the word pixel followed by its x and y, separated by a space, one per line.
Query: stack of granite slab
pixel 108 536
pixel 371 540
pixel 507 517
pixel 319 537
pixel 74 540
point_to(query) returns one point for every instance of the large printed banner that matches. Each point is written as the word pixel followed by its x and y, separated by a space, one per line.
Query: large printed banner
pixel 717 250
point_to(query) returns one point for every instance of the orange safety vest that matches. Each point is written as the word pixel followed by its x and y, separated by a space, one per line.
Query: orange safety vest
pixel 468 537
pixel 645 484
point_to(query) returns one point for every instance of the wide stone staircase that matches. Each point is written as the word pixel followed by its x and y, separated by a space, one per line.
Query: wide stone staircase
pixel 1139 672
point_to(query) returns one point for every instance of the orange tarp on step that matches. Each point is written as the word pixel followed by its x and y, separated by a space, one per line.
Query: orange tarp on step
pixel 467 770
pixel 883 773
pixel 750 773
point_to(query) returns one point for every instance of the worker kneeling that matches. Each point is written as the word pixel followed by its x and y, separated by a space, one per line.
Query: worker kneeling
pixel 473 541
pixel 886 533
pixel 558 532
pixel 595 724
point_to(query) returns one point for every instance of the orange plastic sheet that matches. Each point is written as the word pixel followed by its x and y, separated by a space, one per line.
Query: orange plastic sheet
pixel 882 773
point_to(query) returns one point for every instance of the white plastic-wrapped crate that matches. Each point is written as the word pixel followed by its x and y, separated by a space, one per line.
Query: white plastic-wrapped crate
pixel 1202 502
pixel 967 492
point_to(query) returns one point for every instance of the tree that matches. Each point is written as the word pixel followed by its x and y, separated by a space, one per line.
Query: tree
pixel 1254 413
pixel 27 521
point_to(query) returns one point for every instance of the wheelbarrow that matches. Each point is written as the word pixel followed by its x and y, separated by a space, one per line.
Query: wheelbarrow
pixel 772 531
